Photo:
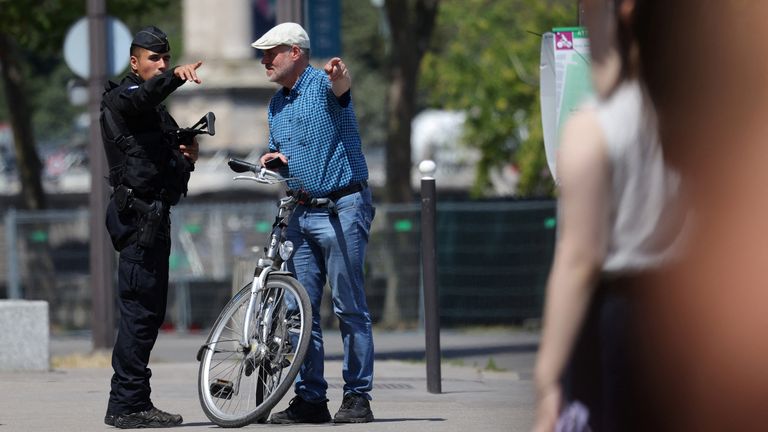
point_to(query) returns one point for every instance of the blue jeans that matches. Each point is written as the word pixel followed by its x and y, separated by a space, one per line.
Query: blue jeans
pixel 332 246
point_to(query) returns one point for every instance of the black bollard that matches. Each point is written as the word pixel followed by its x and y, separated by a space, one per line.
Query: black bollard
pixel 429 278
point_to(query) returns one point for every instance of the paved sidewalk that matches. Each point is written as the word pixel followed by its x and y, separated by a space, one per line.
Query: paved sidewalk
pixel 472 399
pixel 506 349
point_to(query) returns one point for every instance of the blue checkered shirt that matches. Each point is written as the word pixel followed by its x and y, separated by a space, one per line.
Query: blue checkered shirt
pixel 318 133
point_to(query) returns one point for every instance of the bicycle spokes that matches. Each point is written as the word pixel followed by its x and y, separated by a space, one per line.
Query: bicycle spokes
pixel 240 382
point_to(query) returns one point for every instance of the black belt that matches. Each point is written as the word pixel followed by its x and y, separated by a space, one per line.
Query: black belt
pixel 127 197
pixel 349 190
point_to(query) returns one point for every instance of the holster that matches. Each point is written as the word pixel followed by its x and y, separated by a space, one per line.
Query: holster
pixel 123 197
pixel 150 221
pixel 150 214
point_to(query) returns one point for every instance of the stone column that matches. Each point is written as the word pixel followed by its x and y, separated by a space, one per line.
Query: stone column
pixel 25 336
pixel 217 30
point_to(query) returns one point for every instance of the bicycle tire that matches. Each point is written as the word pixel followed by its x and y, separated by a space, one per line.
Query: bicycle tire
pixel 238 386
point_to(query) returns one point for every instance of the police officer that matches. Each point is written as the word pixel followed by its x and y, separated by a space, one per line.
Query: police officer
pixel 148 171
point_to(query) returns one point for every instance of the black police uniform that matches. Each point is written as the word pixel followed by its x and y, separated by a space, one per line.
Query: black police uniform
pixel 148 174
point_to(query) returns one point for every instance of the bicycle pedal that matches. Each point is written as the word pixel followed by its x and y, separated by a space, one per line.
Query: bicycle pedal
pixel 222 389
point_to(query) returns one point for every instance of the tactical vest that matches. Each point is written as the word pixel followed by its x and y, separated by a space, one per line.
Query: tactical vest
pixel 142 154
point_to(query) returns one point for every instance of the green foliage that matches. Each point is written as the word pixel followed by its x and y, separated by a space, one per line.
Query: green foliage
pixel 492 367
pixel 39 25
pixel 486 64
pixel 39 28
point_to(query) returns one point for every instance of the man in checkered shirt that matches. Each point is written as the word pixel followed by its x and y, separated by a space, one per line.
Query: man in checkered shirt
pixel 313 132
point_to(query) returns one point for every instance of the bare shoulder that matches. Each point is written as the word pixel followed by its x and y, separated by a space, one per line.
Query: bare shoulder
pixel 583 148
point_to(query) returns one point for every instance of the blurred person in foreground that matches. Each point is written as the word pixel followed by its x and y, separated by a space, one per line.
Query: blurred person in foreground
pixel 148 171
pixel 314 132
pixel 704 65
pixel 620 217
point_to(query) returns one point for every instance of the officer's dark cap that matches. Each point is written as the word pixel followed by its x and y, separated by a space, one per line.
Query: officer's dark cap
pixel 153 39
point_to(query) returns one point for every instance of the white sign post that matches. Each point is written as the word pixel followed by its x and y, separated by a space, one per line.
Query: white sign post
pixel 565 82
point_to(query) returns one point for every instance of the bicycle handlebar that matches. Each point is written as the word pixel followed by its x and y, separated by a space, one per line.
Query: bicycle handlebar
pixel 241 166
pixel 260 174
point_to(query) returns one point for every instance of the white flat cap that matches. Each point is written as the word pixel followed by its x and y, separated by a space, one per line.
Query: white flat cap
pixel 283 34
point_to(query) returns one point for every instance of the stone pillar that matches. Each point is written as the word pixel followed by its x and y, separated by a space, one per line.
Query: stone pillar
pixel 234 85
pixel 290 11
pixel 25 337
pixel 217 30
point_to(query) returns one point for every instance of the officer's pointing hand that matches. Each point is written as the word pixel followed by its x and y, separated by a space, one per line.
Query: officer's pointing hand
pixel 188 72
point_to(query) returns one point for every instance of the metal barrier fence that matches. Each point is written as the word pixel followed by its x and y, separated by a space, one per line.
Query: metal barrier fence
pixel 493 258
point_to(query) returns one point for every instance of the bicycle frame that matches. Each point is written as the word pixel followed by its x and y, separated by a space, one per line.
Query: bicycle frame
pixel 265 329
pixel 273 259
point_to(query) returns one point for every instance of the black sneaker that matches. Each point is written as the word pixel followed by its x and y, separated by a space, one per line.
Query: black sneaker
pixel 301 411
pixel 355 408
pixel 109 419
pixel 153 418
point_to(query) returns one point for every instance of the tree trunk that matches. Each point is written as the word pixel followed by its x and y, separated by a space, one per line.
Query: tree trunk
pixel 410 25
pixel 402 99
pixel 27 161
pixel 398 190
pixel 391 316
pixel 28 165
pixel 411 28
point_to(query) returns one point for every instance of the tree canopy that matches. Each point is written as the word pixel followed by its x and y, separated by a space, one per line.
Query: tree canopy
pixel 37 30
pixel 35 79
pixel 487 65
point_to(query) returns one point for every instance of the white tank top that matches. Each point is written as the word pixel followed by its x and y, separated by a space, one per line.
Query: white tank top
pixel 645 218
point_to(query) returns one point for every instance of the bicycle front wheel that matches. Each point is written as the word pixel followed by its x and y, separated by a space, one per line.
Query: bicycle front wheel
pixel 239 385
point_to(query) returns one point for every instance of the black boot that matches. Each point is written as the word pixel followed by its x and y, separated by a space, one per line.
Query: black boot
pixel 109 419
pixel 153 418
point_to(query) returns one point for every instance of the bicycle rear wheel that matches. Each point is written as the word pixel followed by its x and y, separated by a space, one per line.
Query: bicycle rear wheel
pixel 239 385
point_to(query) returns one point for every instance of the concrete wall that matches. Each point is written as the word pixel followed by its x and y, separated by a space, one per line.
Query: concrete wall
pixel 24 337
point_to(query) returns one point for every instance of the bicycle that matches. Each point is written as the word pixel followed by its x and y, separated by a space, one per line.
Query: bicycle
pixel 258 343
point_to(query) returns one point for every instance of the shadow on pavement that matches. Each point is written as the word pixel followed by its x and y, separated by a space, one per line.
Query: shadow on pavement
pixel 397 420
